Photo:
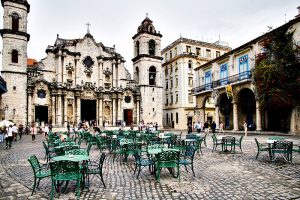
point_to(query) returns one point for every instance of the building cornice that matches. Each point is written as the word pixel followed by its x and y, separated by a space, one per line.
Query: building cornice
pixel 148 33
pixel 146 56
pixel 9 31
pixel 22 2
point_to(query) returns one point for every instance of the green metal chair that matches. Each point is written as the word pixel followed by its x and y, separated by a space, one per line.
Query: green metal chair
pixel 96 168
pixel 188 158
pixel 282 148
pixel 65 171
pixel 276 138
pixel 216 142
pixel 262 147
pixel 141 162
pixel 167 159
pixel 48 153
pixel 77 152
pixel 239 142
pixel 39 171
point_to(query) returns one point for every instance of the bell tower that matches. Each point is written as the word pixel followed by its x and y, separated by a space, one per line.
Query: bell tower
pixel 14 59
pixel 147 71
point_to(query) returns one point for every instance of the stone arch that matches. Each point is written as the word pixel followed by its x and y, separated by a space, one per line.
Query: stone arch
pixel 152 75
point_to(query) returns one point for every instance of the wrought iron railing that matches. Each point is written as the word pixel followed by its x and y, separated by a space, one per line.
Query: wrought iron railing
pixel 246 75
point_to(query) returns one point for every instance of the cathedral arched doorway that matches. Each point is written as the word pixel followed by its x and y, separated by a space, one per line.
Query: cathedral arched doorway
pixel 41 114
pixel 128 116
pixel 88 110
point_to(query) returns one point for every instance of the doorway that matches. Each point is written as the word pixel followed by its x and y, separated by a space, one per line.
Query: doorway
pixel 128 117
pixel 88 110
pixel 41 114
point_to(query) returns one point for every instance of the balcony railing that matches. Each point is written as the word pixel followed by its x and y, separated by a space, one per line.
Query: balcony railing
pixel 225 81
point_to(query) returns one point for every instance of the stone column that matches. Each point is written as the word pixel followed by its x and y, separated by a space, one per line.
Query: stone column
pixel 258 117
pixel 78 104
pixel 64 70
pixel 59 110
pixel 120 107
pixel 100 72
pixel 202 115
pixel 58 69
pixel 217 111
pixel 65 111
pixel 29 108
pixel 97 112
pixel 100 111
pixel 235 117
pixel 293 125
pixel 53 110
pixel 114 109
pixel 138 112
pixel 114 73
pixel 76 71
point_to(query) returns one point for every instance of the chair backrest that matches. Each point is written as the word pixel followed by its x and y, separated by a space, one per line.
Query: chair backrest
pixel 67 148
pixel 283 145
pixel 34 162
pixel 168 158
pixel 101 160
pixel 64 167
pixel 191 136
pixel 276 138
pixel 190 152
pixel 214 137
pixel 257 143
pixel 241 138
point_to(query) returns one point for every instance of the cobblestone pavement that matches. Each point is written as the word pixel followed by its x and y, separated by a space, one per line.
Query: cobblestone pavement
pixel 218 176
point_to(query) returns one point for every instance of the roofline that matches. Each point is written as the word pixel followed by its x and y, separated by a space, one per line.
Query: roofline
pixel 244 46
pixel 191 41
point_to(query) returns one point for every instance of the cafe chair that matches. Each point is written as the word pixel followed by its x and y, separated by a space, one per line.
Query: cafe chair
pixel 167 159
pixel 65 171
pixel 188 158
pixel 261 147
pixel 141 162
pixel 49 153
pixel 239 142
pixel 77 152
pixel 282 148
pixel 96 168
pixel 40 171
pixel 216 142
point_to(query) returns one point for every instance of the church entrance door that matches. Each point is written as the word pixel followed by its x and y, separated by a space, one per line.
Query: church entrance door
pixel 41 114
pixel 128 116
pixel 88 110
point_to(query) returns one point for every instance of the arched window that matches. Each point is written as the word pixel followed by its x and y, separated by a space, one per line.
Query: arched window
pixel 14 56
pixel 152 75
pixel 152 47
pixel 137 46
pixel 15 22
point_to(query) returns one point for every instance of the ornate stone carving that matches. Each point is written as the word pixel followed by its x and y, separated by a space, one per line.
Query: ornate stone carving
pixel 107 71
pixel 88 62
pixel 70 101
pixel 88 95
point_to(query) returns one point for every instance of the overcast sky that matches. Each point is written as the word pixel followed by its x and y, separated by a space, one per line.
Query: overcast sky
pixel 114 22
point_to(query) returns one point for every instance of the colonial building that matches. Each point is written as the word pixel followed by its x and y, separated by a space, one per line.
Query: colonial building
pixel 79 79
pixel 228 79
pixel 180 59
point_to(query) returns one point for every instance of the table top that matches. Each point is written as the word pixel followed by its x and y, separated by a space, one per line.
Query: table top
pixel 270 141
pixel 74 158
pixel 159 150
pixel 60 147
pixel 164 136
pixel 189 140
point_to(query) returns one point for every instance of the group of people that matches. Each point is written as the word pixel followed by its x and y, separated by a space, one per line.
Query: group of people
pixel 150 126
pixel 206 126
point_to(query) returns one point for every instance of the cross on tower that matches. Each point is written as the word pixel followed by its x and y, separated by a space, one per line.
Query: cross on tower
pixel 88 27
pixel 147 14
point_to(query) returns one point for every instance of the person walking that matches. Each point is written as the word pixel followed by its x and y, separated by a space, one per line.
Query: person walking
pixel 33 132
pixel 46 129
pixel 206 127
pixel 9 137
pixel 190 128
pixel 213 127
pixel 15 132
pixel 198 127
pixel 20 130
pixel 221 127
pixel 245 128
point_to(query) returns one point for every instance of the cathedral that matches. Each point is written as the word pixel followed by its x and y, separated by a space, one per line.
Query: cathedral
pixel 79 79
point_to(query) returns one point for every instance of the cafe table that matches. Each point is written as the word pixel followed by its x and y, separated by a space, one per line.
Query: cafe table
pixel 159 150
pixel 74 158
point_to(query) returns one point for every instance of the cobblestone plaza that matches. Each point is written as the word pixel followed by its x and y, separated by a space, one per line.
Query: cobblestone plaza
pixel 218 176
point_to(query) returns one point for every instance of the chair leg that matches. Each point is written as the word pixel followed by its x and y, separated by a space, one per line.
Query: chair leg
pixel 193 169
pixel 186 168
pixel 257 155
pixel 34 184
pixel 101 176
pixel 52 191
pixel 139 171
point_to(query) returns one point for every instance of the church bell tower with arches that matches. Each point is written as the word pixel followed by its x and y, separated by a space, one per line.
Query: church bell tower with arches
pixel 147 71
pixel 14 59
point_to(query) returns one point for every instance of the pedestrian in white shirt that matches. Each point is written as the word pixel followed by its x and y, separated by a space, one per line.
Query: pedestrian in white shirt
pixel 15 132
pixel 33 132
pixel 9 137
pixel 46 129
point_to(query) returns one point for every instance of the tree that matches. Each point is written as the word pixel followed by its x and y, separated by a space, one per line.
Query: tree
pixel 277 71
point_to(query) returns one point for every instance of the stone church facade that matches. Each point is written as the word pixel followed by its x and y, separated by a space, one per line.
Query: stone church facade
pixel 79 79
